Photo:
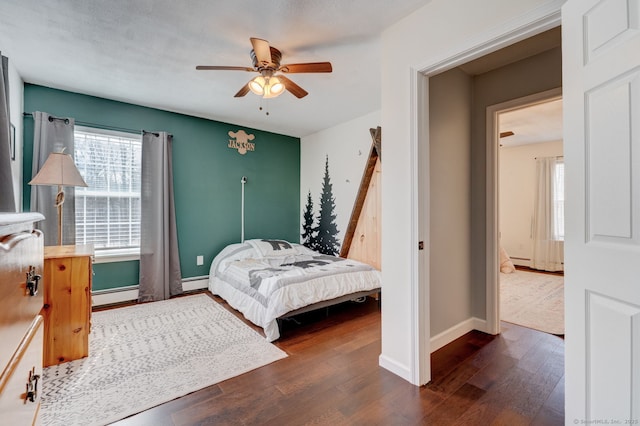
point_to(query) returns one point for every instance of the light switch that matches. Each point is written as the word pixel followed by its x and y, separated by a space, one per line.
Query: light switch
pixel 199 260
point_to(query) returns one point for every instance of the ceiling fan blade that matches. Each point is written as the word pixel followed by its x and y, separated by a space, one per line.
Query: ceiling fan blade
pixel 292 87
pixel 307 67
pixel 242 92
pixel 262 50
pixel 222 67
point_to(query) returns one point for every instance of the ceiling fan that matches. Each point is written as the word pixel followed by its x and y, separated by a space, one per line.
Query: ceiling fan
pixel 266 62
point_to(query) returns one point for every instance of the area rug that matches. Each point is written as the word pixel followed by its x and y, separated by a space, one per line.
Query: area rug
pixel 533 300
pixel 144 355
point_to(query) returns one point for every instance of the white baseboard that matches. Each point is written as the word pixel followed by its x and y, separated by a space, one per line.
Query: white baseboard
pixel 395 367
pixel 458 330
pixel 481 325
pixel 436 343
pixel 127 294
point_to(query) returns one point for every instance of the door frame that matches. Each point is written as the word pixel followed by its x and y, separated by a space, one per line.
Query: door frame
pixel 493 198
pixel 539 20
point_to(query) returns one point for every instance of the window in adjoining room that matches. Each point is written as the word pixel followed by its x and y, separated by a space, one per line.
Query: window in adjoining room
pixel 558 201
pixel 108 210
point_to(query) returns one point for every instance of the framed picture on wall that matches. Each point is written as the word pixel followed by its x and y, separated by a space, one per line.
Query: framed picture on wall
pixel 12 143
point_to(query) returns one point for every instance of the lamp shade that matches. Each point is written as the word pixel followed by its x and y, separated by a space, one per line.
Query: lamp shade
pixel 267 87
pixel 257 85
pixel 59 169
pixel 274 88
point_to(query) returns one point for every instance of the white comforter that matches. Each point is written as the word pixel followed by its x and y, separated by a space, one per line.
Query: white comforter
pixel 265 283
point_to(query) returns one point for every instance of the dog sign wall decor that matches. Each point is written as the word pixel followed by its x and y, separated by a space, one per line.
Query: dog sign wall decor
pixel 240 141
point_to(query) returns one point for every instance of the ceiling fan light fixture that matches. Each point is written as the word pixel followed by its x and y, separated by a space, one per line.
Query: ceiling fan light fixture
pixel 273 88
pixel 257 85
pixel 266 61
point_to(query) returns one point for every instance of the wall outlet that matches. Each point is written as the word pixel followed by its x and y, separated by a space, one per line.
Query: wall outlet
pixel 199 260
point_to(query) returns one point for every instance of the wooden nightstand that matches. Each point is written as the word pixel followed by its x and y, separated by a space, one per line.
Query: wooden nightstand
pixel 67 302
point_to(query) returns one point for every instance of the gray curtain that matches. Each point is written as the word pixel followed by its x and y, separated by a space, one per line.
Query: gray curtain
pixel 7 199
pixel 52 134
pixel 160 276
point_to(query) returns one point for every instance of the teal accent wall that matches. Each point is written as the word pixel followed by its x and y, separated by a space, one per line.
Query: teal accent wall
pixel 206 177
pixel 115 274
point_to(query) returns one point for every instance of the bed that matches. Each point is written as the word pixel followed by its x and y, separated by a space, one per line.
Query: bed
pixel 269 279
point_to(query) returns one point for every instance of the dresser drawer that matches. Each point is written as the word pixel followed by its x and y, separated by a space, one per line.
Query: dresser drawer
pixel 19 252
pixel 25 363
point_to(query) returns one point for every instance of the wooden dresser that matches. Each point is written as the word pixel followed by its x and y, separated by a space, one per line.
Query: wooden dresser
pixel 21 326
pixel 67 302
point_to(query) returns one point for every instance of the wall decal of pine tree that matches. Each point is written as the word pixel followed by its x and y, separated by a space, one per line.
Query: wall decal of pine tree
pixel 308 231
pixel 326 241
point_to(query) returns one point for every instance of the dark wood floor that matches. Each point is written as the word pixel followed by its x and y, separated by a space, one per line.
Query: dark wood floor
pixel 539 271
pixel 332 377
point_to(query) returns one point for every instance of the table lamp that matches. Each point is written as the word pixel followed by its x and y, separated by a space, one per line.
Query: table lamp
pixel 60 170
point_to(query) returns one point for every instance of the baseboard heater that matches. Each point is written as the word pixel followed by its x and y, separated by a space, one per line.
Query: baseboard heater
pixel 115 295
pixel 525 259
pixel 114 290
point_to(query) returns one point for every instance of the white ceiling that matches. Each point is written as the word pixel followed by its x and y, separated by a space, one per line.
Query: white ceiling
pixel 145 52
pixel 532 124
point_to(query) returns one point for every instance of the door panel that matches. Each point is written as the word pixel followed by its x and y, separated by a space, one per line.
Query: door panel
pixel 609 139
pixel 607 314
pixel 601 83
pixel 607 23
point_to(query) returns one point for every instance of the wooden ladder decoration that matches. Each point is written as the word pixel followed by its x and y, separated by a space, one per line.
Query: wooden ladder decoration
pixel 374 154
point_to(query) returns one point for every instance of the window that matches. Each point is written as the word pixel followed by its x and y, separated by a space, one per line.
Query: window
pixel 108 210
pixel 558 200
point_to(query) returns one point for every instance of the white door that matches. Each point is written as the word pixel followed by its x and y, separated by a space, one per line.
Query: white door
pixel 601 84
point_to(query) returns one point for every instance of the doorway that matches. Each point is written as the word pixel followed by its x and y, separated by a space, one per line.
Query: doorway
pixel 531 213
pixel 463 173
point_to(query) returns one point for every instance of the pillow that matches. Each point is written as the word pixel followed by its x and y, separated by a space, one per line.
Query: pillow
pixel 272 248
pixel 303 250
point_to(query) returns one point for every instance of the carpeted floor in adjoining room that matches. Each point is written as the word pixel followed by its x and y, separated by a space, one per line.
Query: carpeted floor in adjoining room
pixel 144 355
pixel 534 300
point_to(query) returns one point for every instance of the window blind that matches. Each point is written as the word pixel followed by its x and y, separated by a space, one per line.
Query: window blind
pixel 108 210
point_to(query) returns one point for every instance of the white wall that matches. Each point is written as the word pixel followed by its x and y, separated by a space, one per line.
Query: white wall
pixel 438 31
pixel 16 91
pixel 517 183
pixel 347 146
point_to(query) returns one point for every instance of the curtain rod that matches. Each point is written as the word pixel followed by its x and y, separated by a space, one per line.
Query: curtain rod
pixel 557 157
pixel 100 126
pixel 51 117
pixel 156 134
